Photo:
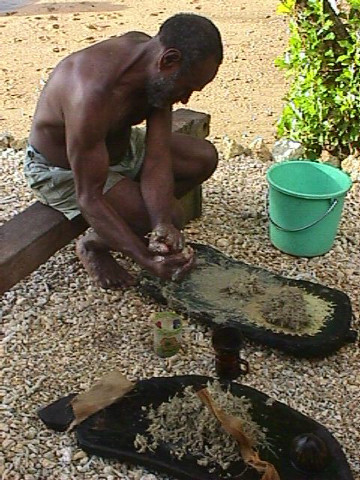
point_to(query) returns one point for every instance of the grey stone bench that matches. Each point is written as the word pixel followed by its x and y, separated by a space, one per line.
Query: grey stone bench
pixel 34 235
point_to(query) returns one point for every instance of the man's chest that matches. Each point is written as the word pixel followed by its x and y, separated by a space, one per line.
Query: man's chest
pixel 126 112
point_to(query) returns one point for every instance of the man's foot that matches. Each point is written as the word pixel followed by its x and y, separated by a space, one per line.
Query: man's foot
pixel 103 268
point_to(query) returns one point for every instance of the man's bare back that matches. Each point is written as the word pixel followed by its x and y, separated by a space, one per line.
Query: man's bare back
pixel 80 77
pixel 83 122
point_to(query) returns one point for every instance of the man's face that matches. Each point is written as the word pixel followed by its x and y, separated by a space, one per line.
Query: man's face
pixel 161 89
pixel 168 88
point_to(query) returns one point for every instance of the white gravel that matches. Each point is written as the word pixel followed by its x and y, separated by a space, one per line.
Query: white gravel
pixel 61 333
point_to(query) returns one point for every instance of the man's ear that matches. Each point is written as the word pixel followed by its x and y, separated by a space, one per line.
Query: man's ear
pixel 170 60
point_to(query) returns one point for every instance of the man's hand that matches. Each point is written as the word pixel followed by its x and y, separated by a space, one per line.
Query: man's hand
pixel 172 266
pixel 166 239
pixel 172 260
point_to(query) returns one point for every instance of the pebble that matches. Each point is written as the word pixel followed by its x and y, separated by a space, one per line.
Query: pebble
pixel 79 455
pixel 47 463
pixel 64 338
pixel 222 243
pixel 31 434
pixel 7 443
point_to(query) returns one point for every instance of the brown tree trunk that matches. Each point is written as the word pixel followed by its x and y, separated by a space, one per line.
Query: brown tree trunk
pixel 339 29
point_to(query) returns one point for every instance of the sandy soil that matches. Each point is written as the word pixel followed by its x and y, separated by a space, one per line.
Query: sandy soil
pixel 245 99
pixel 62 333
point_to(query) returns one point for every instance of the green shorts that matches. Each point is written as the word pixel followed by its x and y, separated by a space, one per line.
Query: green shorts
pixel 54 186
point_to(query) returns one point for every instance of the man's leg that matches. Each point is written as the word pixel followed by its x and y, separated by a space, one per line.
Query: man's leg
pixel 194 161
pixel 100 264
pixel 92 250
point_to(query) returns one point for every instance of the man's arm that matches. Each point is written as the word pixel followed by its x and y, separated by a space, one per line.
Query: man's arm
pixel 87 123
pixel 157 178
pixel 86 127
pixel 157 183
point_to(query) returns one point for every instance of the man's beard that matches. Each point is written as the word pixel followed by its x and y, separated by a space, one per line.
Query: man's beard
pixel 160 91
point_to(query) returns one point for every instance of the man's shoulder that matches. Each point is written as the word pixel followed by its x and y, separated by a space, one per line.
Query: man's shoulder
pixel 137 36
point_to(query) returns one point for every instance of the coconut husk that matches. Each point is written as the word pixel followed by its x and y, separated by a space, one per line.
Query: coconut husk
pixel 108 390
pixel 233 426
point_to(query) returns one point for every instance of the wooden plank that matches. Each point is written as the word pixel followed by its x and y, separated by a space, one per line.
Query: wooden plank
pixel 34 235
pixel 30 238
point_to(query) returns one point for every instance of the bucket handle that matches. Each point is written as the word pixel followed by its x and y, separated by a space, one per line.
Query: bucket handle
pixel 333 204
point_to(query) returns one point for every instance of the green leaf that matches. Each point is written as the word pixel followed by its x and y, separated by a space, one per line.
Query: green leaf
pixel 330 36
pixel 354 4
pixel 285 7
pixel 323 104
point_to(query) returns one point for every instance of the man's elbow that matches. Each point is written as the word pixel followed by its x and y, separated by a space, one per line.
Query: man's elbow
pixel 89 202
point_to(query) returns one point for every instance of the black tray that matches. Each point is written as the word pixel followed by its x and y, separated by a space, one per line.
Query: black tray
pixel 182 298
pixel 111 433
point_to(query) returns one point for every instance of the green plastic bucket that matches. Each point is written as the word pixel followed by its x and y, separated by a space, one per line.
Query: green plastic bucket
pixel 305 204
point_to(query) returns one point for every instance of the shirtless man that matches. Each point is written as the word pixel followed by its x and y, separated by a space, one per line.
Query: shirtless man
pixel 85 155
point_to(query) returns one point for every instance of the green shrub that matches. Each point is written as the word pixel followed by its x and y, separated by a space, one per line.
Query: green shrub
pixel 322 109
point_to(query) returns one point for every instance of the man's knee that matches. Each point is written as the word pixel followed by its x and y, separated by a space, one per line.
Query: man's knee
pixel 210 159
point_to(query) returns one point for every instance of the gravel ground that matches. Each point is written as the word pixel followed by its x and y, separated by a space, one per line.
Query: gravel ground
pixel 62 333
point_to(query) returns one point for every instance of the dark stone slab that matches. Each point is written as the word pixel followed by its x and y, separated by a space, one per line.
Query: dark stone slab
pixel 59 414
pixel 111 433
pixel 184 298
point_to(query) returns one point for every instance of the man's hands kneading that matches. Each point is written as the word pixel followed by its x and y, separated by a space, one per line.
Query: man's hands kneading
pixel 172 259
